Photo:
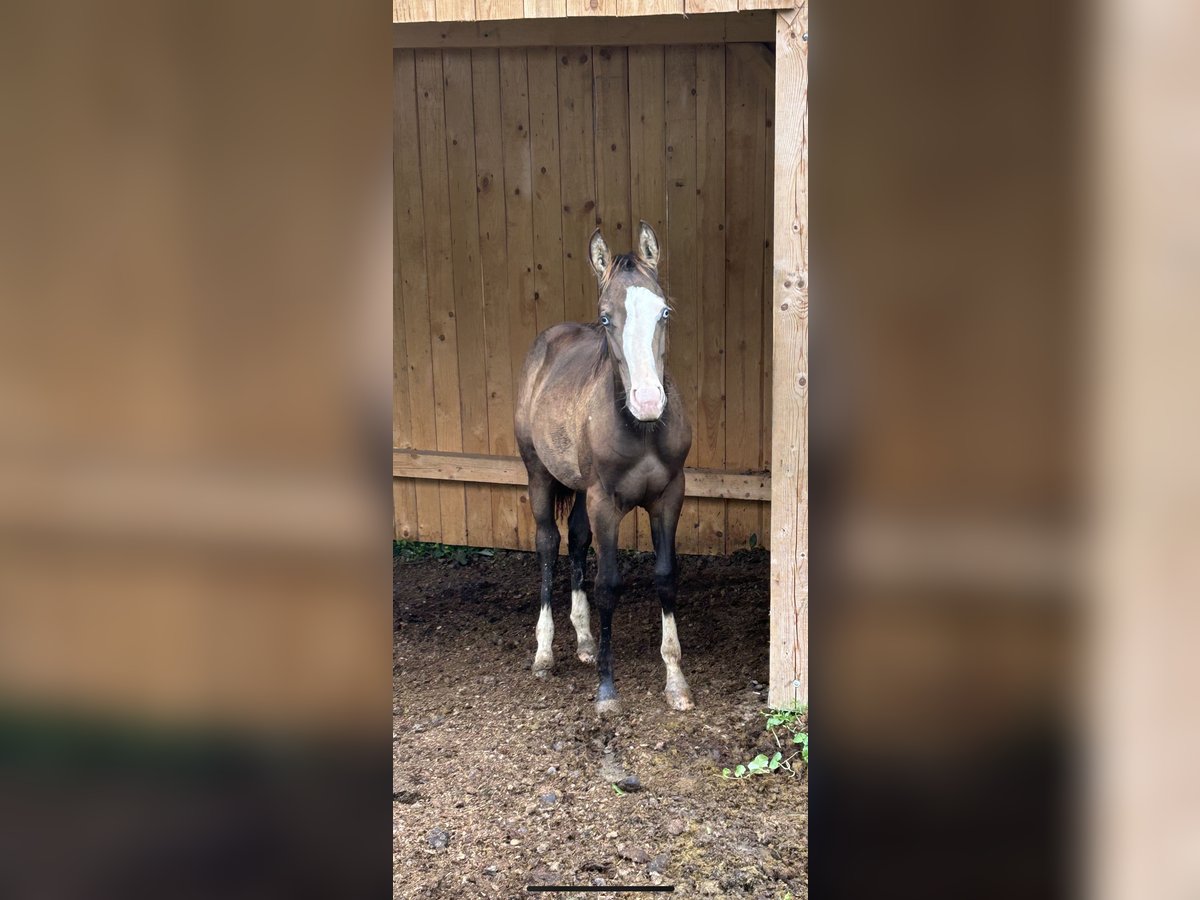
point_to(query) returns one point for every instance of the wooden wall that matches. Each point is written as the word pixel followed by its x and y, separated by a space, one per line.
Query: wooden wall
pixel 505 160
pixel 483 10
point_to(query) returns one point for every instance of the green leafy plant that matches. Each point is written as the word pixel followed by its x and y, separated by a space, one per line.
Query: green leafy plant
pixel 786 728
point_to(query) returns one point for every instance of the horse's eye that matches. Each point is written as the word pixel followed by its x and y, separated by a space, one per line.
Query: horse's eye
pixel 605 321
pixel 666 314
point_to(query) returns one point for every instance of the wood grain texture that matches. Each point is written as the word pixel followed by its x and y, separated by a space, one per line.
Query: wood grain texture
pixel 488 10
pixel 518 192
pixel 591 7
pixel 682 239
pixel 578 167
pixel 745 162
pixel 410 305
pixel 789 487
pixel 606 30
pixel 692 7
pixel 481 260
pixel 649 7
pixel 468 309
pixel 498 305
pixel 708 428
pixel 538 9
pixel 456 10
pixel 414 10
pixel 435 200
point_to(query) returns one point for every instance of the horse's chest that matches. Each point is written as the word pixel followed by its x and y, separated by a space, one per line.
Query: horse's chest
pixel 639 482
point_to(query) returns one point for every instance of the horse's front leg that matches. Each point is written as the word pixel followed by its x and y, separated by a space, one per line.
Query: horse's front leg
pixel 605 518
pixel 664 519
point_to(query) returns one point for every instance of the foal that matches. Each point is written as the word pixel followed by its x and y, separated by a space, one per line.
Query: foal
pixel 598 418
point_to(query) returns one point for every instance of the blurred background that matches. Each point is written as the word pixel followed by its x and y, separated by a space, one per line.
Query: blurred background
pixel 195 404
pixel 195 498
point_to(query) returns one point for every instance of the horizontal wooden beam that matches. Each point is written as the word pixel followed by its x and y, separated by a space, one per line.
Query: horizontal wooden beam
pixel 710 28
pixel 439 466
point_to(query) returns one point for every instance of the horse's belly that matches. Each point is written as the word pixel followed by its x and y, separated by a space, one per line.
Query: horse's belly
pixel 558 450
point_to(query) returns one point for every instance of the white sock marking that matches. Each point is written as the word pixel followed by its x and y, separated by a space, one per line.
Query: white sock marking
pixel 545 640
pixel 670 652
pixel 579 616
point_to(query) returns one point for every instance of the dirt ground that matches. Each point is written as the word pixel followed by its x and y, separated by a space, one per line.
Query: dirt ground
pixel 502 780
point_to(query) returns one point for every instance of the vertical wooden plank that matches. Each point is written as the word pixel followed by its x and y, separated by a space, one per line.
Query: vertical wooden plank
pixel 410 302
pixel 516 129
pixel 468 282
pixel 647 179
pixel 490 10
pixel 443 332
pixel 576 150
pixel 768 365
pixel 789 478
pixel 455 10
pixel 540 9
pixel 682 211
pixel 611 103
pixel 549 300
pixel 745 162
pixel 649 7
pixel 498 306
pixel 708 430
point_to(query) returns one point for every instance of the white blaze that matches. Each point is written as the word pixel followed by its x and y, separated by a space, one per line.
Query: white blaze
pixel 643 309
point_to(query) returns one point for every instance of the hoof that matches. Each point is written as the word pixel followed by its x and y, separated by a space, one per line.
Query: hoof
pixel 587 654
pixel 542 668
pixel 608 707
pixel 680 700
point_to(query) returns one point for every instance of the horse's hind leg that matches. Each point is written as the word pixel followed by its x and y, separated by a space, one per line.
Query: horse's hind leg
pixel 541 502
pixel 664 519
pixel 579 539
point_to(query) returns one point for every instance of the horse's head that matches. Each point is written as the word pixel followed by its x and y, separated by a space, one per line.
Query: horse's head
pixel 633 312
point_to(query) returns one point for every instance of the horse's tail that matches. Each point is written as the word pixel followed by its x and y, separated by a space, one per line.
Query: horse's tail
pixel 563 496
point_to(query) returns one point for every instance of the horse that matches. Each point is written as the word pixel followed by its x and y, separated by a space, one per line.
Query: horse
pixel 602 429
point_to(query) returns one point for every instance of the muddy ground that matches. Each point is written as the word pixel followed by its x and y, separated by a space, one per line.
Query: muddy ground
pixel 502 780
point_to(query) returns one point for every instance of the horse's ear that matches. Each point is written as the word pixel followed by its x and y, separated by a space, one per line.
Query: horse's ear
pixel 647 245
pixel 598 253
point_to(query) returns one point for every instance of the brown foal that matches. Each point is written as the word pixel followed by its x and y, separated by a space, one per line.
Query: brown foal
pixel 599 419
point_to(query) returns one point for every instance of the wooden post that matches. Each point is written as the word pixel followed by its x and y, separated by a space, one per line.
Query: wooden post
pixel 789 415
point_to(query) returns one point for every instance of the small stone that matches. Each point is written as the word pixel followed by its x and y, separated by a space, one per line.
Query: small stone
pixel 553 770
pixel 709 887
pixel 630 784
pixel 659 745
pixel 558 746
pixel 676 827
pixel 439 838
pixel 637 856
pixel 548 799
pixel 658 865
